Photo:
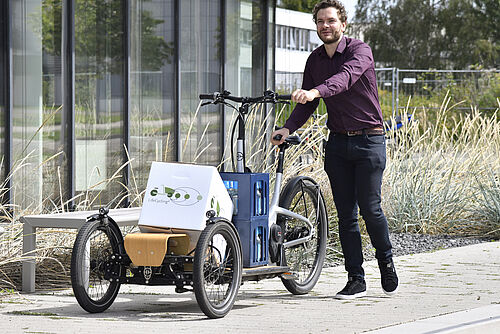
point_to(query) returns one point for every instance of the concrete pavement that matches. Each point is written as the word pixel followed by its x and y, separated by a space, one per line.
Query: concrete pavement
pixel 449 291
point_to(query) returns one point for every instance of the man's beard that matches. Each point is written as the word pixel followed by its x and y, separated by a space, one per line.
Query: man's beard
pixel 334 38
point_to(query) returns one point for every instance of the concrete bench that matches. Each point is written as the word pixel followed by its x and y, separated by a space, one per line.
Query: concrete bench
pixel 69 220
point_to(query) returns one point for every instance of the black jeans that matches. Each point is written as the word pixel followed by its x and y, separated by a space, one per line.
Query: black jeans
pixel 355 166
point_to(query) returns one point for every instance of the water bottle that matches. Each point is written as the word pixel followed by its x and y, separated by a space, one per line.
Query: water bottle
pixel 232 189
pixel 258 198
pixel 235 197
pixel 259 249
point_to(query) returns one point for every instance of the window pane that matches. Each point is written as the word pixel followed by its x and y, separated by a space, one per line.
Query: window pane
pixel 27 101
pixel 245 63
pixel 200 73
pixel 37 99
pixel 3 78
pixel 270 45
pixel 98 99
pixel 245 69
pixel 152 86
pixel 55 163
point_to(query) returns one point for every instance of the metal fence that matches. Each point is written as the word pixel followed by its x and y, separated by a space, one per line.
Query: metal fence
pixel 406 88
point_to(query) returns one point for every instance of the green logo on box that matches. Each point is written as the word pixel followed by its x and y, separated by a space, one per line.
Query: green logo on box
pixel 184 196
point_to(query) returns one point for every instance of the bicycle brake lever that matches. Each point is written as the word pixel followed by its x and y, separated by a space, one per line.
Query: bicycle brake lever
pixel 206 103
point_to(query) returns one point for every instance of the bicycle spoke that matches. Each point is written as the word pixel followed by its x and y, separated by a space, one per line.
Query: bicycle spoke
pixel 306 201
pixel 96 255
pixel 218 272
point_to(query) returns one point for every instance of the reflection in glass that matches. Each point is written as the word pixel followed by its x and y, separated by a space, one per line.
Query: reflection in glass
pixel 152 87
pixel 38 160
pixel 200 73
pixel 245 64
pixel 157 79
pixel 98 99
pixel 54 167
pixel 27 113
pixel 270 44
pixel 3 96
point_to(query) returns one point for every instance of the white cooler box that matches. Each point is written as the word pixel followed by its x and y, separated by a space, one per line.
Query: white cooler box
pixel 178 197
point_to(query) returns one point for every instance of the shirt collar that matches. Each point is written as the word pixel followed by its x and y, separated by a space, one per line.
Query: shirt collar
pixel 342 45
pixel 340 48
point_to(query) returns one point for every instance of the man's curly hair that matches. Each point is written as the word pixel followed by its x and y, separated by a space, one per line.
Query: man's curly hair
pixel 331 3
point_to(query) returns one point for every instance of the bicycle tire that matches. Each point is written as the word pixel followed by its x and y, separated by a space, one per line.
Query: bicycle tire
pixel 217 277
pixel 302 195
pixel 92 251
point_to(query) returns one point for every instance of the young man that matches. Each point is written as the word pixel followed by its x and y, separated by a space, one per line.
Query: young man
pixel 342 72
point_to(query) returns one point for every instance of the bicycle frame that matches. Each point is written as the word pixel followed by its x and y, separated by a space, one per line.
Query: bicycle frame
pixel 275 209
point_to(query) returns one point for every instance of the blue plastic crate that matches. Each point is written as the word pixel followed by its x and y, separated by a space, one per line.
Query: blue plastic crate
pixel 250 194
pixel 254 236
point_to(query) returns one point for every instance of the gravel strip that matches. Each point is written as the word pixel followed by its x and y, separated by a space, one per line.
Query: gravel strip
pixel 412 243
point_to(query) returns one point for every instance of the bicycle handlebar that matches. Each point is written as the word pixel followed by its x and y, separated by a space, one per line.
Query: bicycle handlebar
pixel 246 102
pixel 293 140
pixel 268 97
pixel 284 97
pixel 208 96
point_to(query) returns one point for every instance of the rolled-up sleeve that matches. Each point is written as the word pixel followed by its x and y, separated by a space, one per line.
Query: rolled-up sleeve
pixel 356 64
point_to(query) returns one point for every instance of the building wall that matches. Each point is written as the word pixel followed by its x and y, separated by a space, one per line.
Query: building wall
pixel 296 38
pixel 93 91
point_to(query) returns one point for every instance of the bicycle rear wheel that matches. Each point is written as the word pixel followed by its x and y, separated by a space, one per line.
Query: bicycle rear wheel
pixel 92 266
pixel 217 269
pixel 305 260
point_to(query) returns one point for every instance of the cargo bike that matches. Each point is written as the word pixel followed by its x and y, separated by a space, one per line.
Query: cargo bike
pixel 239 233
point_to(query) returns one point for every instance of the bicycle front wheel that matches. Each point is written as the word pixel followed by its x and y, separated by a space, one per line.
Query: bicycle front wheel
pixel 217 269
pixel 303 196
pixel 92 266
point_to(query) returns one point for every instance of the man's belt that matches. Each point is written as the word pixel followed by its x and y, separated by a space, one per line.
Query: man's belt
pixel 372 131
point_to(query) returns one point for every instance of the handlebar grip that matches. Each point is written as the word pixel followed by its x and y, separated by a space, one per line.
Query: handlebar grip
pixel 207 96
pixel 278 137
pixel 284 97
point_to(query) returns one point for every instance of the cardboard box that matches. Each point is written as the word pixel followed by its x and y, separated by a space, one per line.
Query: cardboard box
pixel 178 197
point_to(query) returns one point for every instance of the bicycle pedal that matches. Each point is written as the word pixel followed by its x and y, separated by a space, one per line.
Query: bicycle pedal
pixel 290 276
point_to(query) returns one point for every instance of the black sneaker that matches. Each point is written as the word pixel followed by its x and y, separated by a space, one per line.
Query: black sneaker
pixel 355 288
pixel 388 277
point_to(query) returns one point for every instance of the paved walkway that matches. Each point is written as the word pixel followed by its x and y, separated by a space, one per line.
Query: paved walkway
pixel 449 291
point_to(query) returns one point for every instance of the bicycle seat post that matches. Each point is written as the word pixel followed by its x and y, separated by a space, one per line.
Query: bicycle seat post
pixel 279 174
pixel 281 157
pixel 240 142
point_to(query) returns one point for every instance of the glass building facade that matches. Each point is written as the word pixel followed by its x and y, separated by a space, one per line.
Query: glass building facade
pixel 93 91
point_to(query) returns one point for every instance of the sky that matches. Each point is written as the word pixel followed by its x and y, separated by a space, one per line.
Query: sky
pixel 350 6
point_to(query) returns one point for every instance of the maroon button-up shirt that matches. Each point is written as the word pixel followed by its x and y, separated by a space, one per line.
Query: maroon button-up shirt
pixel 347 84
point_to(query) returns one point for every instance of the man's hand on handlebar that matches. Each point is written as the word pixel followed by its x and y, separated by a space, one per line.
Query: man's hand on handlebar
pixel 303 96
pixel 279 136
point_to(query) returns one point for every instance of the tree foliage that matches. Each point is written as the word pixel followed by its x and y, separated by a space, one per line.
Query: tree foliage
pixel 99 28
pixel 431 34
pixel 305 6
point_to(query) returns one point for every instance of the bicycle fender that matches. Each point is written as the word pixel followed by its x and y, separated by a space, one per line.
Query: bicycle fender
pixel 293 182
pixel 112 222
